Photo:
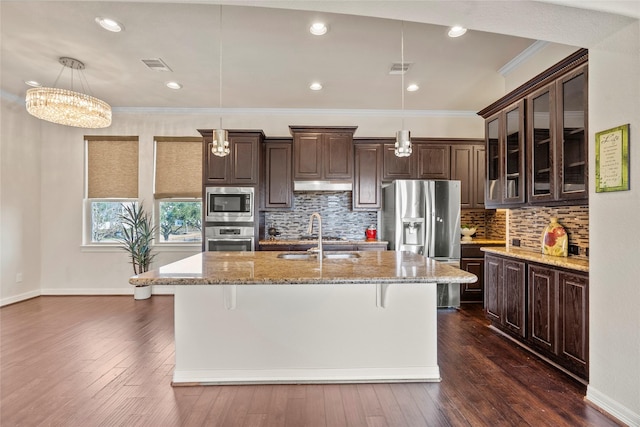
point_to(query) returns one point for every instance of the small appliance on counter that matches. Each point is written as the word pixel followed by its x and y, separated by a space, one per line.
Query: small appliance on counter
pixel 273 232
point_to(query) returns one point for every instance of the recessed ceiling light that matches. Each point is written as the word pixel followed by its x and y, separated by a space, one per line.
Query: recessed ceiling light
pixel 174 85
pixel 110 24
pixel 315 86
pixel 413 87
pixel 456 31
pixel 318 29
pixel 33 83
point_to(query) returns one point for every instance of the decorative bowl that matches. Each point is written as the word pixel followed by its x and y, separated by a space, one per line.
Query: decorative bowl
pixel 467 233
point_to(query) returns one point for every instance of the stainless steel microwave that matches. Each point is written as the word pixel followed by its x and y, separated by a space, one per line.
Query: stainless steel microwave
pixel 230 204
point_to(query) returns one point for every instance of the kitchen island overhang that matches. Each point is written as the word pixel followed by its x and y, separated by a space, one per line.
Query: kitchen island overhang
pixel 251 317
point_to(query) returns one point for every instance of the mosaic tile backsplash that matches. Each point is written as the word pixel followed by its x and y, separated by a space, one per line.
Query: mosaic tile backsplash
pixel 490 224
pixel 337 217
pixel 527 224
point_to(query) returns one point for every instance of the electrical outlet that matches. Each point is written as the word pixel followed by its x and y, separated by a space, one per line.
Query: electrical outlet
pixel 515 242
pixel 18 277
pixel 574 249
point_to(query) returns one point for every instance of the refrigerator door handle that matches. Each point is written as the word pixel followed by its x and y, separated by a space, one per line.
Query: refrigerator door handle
pixel 429 242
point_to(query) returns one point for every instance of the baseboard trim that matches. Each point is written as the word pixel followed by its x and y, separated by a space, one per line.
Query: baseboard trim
pixel 611 407
pixel 18 298
pixel 156 290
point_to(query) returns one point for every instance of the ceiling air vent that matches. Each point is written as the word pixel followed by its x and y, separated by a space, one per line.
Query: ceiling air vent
pixel 156 64
pixel 399 68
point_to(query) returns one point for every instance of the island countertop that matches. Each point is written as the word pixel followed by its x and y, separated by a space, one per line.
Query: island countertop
pixel 255 268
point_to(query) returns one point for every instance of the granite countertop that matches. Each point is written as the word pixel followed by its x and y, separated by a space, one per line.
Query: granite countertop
pixel 255 268
pixel 483 241
pixel 290 241
pixel 573 263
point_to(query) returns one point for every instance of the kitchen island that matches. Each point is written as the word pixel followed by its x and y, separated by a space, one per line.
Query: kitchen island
pixel 256 317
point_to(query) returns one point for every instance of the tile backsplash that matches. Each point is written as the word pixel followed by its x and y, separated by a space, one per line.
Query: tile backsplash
pixel 528 224
pixel 490 224
pixel 337 217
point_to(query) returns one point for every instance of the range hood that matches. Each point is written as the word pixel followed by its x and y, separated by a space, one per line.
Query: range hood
pixel 322 185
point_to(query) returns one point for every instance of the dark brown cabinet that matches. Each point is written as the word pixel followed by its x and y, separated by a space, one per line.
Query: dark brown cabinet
pixel 240 166
pixel 278 185
pixel 433 161
pixel 553 319
pixel 536 147
pixel 367 181
pixel 468 167
pixel 472 260
pixel 505 157
pixel 395 167
pixel 556 136
pixel 322 153
pixel 505 289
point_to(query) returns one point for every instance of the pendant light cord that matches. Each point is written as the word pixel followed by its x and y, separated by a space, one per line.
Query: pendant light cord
pixel 220 62
pixel 403 69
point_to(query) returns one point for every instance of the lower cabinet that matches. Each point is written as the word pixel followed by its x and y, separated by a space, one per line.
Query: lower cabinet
pixel 545 308
pixel 472 261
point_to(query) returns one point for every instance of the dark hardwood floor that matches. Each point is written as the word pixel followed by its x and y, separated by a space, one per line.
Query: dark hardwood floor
pixel 108 361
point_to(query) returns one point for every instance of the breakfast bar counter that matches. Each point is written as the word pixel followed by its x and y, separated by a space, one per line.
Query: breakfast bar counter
pixel 259 317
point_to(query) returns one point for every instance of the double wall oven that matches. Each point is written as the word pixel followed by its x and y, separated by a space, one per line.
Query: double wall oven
pixel 230 219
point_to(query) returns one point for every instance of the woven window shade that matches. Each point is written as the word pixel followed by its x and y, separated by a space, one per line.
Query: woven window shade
pixel 178 167
pixel 112 167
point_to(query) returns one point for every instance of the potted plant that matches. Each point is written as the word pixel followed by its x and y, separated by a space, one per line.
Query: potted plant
pixel 138 233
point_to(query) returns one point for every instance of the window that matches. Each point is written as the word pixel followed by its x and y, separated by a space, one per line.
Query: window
pixel 111 183
pixel 178 189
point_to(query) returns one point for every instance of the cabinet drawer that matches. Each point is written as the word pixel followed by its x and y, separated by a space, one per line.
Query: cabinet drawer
pixel 471 251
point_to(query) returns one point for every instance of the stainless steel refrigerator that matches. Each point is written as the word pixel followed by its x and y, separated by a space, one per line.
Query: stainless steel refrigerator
pixel 423 216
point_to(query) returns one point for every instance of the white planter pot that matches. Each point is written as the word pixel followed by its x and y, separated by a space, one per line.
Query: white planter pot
pixel 142 292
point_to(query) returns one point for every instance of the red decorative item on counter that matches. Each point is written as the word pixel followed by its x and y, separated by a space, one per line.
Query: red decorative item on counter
pixel 554 239
pixel 371 232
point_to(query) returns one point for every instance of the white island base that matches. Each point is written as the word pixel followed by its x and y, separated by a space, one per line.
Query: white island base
pixel 307 333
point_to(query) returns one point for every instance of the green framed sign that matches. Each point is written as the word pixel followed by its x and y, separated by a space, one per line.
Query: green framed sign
pixel 612 159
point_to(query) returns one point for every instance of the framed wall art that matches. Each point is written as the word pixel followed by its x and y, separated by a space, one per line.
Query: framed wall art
pixel 612 159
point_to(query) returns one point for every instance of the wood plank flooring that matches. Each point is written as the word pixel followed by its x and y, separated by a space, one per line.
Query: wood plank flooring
pixel 108 361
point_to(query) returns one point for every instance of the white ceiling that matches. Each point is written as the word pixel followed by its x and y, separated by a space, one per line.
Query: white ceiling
pixel 269 58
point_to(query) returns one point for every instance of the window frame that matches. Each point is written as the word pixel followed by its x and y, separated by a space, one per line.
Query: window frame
pixel 87 240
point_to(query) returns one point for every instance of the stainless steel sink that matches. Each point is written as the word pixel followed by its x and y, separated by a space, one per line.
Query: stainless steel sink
pixel 327 255
pixel 302 255
pixel 340 255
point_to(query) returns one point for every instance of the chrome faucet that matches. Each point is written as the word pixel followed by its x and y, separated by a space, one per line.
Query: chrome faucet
pixel 310 231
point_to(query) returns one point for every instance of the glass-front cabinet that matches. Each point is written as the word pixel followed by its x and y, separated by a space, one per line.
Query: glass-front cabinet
pixel 573 151
pixel 556 140
pixel 505 157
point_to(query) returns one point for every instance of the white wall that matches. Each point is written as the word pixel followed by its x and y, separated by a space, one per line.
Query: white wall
pixel 614 100
pixel 19 203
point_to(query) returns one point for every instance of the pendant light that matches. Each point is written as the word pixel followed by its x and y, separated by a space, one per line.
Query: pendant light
pixel 67 107
pixel 220 146
pixel 403 137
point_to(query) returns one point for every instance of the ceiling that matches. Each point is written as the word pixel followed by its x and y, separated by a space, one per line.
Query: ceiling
pixel 268 57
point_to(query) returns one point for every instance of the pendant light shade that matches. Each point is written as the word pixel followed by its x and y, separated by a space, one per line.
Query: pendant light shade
pixel 403 137
pixel 220 146
pixel 403 143
pixel 67 107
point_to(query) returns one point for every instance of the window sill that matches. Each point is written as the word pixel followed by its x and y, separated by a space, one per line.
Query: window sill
pixel 167 247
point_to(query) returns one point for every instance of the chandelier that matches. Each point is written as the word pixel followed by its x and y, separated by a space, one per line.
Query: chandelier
pixel 220 145
pixel 67 107
pixel 403 137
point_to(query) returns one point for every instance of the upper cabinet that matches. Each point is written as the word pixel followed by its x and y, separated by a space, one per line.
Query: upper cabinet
pixel 240 166
pixel 505 157
pixel 468 167
pixel 433 161
pixel 536 144
pixel 277 182
pixel 322 153
pixel 556 135
pixel 367 181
